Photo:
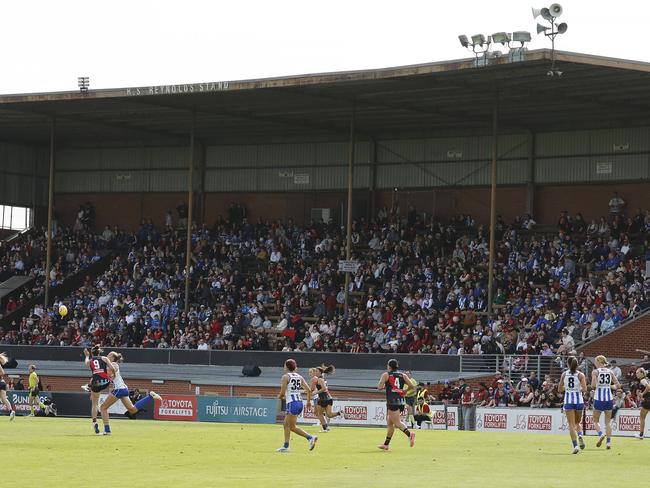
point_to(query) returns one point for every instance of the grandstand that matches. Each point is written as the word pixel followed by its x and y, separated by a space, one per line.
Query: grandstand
pixel 270 162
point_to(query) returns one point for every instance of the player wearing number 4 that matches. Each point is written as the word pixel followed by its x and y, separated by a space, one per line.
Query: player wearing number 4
pixel 290 391
pixel 393 382
pixel 644 393
pixel 573 385
pixel 603 380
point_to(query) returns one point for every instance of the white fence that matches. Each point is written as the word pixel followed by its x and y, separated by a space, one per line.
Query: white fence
pixel 373 413
pixel 526 420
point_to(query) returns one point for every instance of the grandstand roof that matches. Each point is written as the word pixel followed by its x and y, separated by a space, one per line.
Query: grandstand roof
pixel 444 98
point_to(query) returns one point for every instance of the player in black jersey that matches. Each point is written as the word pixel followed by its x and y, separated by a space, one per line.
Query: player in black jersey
pixel 392 382
pixel 102 371
pixel 644 393
pixel 318 385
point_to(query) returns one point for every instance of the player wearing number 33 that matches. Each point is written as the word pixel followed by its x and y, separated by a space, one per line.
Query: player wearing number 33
pixel 393 382
pixel 291 389
pixel 603 380
pixel 573 385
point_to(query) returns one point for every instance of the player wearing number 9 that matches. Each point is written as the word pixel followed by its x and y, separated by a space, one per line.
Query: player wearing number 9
pixel 102 370
pixel 603 380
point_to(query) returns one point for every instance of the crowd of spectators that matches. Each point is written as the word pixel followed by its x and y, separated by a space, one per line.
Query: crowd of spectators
pixel 421 286
pixel 72 251
pixel 531 391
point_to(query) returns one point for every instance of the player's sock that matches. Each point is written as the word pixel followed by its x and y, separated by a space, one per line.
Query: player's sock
pixel 107 429
pixel 285 445
pixel 600 433
pixel 407 433
pixel 575 443
pixel 309 437
pixel 143 402
pixel 387 441
pixel 609 439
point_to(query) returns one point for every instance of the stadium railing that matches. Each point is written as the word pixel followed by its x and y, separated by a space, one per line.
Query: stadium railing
pixel 510 364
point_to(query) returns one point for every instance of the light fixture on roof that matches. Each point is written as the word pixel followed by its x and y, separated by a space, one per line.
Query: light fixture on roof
pixel 84 83
pixel 551 30
pixel 502 38
pixel 478 44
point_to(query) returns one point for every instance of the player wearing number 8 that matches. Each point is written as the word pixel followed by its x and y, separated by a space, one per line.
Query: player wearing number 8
pixel 603 380
pixel 393 382
pixel 573 384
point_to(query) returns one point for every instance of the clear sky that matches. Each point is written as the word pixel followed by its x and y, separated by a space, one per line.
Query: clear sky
pixel 46 44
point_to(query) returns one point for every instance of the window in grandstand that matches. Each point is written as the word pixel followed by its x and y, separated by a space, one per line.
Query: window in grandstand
pixel 15 218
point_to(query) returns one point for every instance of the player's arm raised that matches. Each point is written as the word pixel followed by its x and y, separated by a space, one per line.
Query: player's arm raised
pixel 382 381
pixel 305 386
pixel 411 381
pixel 283 387
pixel 583 382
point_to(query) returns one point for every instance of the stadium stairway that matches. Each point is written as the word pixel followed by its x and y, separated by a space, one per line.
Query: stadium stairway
pixel 69 285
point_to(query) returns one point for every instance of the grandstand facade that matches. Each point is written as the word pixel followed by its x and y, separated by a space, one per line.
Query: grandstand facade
pixel 418 138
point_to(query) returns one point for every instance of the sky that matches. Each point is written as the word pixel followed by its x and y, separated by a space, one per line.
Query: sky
pixel 46 45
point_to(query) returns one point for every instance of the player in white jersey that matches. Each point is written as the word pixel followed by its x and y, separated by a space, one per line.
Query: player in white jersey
pixel 603 381
pixel 644 393
pixel 3 388
pixel 573 385
pixel 291 391
pixel 121 392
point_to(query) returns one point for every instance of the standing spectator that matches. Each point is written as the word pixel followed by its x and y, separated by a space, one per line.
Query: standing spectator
pixel 468 407
pixel 615 369
pixel 616 205
pixel 182 215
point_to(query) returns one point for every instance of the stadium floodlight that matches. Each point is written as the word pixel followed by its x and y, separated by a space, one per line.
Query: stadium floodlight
pixel 83 82
pixel 521 36
pixel 478 39
pixel 502 38
pixel 463 40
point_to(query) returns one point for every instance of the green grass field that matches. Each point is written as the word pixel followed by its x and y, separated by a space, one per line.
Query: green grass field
pixel 63 453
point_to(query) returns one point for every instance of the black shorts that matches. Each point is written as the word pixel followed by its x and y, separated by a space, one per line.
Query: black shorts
pixel 34 393
pixel 410 400
pixel 326 402
pixel 395 408
pixel 645 404
pixel 98 386
pixel 3 386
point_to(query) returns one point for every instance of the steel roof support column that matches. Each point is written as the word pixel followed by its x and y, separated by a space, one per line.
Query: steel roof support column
pixel 493 199
pixel 50 205
pixel 372 208
pixel 190 216
pixel 530 180
pixel 348 238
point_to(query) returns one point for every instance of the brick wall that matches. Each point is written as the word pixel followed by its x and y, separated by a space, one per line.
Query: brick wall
pixel 622 342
